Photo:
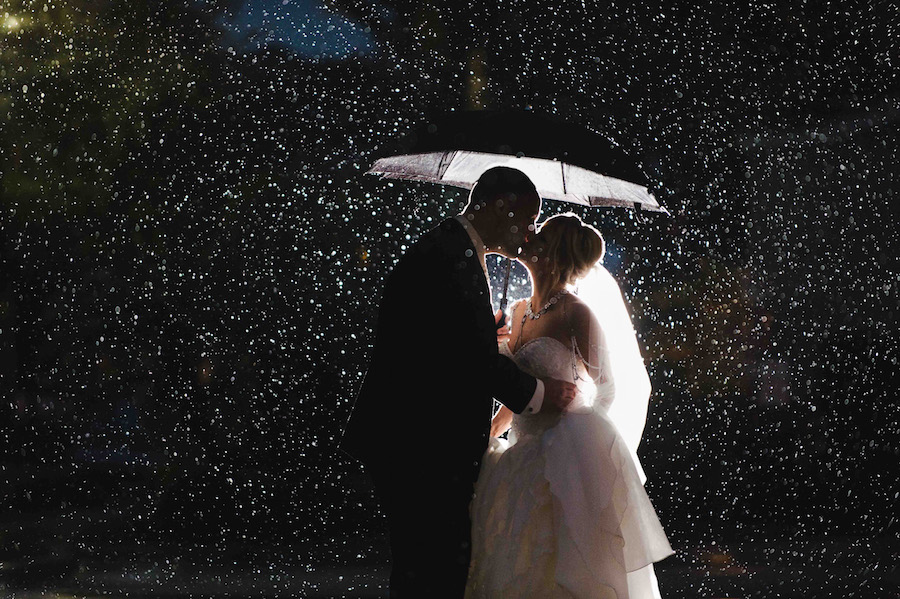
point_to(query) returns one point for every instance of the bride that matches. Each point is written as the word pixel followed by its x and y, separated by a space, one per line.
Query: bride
pixel 560 509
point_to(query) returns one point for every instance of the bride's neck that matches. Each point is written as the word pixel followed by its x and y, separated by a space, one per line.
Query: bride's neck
pixel 544 288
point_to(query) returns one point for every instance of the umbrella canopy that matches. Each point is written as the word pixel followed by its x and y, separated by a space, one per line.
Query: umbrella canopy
pixel 566 162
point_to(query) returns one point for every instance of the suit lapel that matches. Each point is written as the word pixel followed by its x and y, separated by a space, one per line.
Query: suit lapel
pixel 477 287
pixel 473 265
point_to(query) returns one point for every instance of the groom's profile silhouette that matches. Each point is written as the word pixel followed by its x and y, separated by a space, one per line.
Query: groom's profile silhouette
pixel 422 417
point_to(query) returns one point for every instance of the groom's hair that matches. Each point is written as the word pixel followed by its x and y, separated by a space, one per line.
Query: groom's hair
pixel 500 180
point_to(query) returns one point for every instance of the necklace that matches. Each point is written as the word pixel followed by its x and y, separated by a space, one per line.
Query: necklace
pixel 529 314
pixel 547 306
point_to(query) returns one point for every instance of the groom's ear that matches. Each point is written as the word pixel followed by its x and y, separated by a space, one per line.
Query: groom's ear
pixel 501 205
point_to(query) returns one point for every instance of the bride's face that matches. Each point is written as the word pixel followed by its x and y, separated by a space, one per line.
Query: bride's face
pixel 534 252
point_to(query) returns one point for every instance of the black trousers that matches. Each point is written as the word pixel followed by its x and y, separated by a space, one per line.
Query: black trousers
pixel 427 509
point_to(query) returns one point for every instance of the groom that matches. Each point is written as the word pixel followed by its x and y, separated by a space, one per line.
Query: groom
pixel 422 417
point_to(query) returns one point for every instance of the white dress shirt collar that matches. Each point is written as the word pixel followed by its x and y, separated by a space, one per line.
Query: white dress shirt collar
pixel 475 237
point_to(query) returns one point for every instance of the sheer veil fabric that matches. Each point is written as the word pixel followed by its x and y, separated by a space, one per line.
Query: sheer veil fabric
pixel 625 394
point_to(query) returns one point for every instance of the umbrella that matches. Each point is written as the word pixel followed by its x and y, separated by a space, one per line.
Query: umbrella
pixel 566 162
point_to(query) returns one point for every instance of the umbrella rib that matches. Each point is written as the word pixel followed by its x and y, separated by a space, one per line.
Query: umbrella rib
pixel 562 170
pixel 444 164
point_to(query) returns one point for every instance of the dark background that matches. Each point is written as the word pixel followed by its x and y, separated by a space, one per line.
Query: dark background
pixel 192 258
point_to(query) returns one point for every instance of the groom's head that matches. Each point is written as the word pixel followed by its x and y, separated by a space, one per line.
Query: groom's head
pixel 503 207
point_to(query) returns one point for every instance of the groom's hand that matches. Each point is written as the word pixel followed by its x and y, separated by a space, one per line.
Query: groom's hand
pixel 557 395
pixel 502 326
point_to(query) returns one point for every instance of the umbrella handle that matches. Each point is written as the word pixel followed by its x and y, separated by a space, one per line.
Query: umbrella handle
pixel 505 300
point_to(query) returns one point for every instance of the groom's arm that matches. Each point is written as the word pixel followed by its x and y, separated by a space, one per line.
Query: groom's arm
pixel 462 333
pixel 517 390
pixel 503 336
pixel 537 400
pixel 464 318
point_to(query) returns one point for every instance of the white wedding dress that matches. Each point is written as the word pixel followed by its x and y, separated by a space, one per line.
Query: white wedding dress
pixel 560 509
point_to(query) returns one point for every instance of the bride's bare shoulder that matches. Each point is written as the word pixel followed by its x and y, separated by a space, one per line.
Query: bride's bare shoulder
pixel 584 326
pixel 578 310
pixel 581 317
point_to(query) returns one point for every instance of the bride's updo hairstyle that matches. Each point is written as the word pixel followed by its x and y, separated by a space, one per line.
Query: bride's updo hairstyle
pixel 573 247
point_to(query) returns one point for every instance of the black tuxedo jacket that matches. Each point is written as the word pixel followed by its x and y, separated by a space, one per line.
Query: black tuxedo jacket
pixel 427 395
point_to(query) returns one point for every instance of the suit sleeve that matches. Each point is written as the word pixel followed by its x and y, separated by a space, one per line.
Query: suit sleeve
pixel 505 381
pixel 442 329
pixel 509 385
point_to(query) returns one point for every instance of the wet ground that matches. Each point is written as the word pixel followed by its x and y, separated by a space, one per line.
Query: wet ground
pixel 113 543
pixel 776 572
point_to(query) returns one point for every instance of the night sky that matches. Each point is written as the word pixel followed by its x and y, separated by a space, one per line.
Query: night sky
pixel 192 258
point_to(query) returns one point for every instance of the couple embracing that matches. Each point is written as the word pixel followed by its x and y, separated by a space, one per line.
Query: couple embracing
pixel 556 510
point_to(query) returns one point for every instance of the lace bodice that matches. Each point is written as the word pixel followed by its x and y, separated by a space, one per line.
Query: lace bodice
pixel 544 357
pixel 547 357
